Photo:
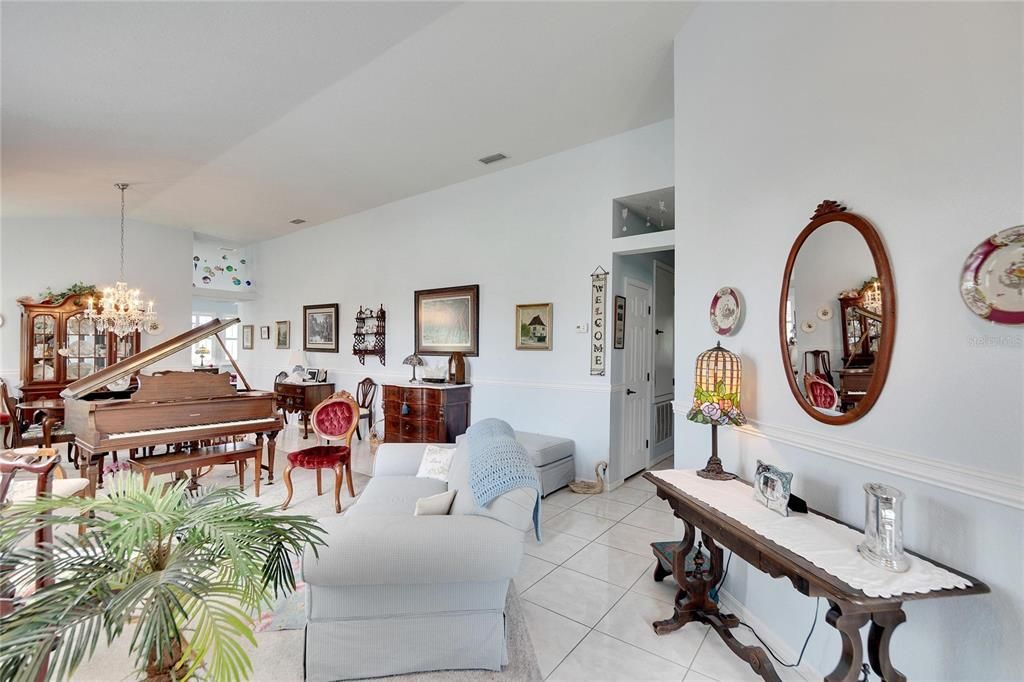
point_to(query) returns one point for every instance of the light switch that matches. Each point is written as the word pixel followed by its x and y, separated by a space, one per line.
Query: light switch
pixel 582 327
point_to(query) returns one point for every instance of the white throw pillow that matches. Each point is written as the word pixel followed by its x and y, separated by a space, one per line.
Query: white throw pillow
pixel 435 463
pixel 435 505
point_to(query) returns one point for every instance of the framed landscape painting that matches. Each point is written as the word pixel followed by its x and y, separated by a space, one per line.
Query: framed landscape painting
pixel 533 326
pixel 283 334
pixel 448 320
pixel 247 336
pixel 320 328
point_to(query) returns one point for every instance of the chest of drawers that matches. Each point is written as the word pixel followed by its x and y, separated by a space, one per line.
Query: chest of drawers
pixel 418 413
pixel 301 398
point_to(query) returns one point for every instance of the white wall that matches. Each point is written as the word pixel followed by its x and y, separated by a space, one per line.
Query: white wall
pixel 56 252
pixel 912 115
pixel 532 233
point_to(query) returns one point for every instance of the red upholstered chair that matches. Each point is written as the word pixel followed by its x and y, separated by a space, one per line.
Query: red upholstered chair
pixel 334 419
pixel 822 394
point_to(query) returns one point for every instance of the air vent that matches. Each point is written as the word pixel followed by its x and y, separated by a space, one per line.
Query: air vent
pixel 297 221
pixel 493 158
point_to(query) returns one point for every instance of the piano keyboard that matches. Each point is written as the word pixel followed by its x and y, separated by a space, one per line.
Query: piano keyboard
pixel 185 430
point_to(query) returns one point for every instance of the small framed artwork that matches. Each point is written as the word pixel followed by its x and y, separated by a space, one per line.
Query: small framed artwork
pixel 534 322
pixel 772 487
pixel 283 334
pixel 311 374
pixel 320 328
pixel 620 323
pixel 321 376
pixel 247 330
pixel 265 333
pixel 448 321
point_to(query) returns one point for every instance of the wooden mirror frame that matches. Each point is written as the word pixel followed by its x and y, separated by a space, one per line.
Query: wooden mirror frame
pixel 830 211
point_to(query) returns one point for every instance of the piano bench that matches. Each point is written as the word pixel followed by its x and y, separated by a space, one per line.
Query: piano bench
pixel 203 457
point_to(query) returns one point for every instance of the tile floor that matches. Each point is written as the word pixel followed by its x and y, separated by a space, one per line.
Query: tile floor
pixel 590 599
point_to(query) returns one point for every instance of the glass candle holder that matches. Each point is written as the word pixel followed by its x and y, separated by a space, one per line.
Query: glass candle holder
pixel 883 528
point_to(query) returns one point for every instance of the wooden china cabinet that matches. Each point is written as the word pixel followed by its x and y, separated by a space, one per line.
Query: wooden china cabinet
pixel 47 328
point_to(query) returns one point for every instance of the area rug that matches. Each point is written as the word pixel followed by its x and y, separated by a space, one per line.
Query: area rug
pixel 289 613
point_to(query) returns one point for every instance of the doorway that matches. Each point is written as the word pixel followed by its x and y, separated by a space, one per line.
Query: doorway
pixel 642 361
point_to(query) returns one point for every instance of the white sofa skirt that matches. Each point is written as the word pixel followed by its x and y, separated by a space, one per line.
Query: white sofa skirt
pixel 375 647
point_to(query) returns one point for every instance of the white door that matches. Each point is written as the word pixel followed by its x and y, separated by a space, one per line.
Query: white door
pixel 637 378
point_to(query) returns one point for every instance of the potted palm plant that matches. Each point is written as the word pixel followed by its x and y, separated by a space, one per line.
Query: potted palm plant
pixel 185 572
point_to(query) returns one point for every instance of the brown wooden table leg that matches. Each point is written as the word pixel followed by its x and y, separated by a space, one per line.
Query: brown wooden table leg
pixel 882 625
pixel 848 622
pixel 305 425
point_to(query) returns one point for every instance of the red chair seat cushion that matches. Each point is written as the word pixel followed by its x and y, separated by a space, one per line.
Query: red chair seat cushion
pixel 320 456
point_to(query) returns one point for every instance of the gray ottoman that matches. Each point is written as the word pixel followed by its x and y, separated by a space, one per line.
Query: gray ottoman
pixel 552 456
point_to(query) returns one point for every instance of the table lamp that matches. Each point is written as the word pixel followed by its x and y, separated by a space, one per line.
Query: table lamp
pixel 716 401
pixel 413 361
pixel 297 359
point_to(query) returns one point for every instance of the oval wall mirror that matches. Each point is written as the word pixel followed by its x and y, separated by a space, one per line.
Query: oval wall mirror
pixel 837 316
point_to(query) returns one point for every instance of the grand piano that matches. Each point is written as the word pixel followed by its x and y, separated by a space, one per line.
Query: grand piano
pixel 168 408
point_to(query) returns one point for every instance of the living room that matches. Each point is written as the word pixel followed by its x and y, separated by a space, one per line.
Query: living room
pixel 309 195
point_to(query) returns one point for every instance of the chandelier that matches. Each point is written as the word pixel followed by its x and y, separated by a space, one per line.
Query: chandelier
pixel 120 310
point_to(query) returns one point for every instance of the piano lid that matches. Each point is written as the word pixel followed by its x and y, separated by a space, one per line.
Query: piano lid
pixel 129 366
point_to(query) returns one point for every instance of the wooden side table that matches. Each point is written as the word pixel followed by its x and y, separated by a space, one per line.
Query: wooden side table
pixel 301 399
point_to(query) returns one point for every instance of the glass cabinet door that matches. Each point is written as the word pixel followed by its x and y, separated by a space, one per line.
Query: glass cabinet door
pixel 126 347
pixel 86 348
pixel 44 347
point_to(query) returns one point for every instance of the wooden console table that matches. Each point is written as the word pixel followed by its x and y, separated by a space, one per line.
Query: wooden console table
pixel 850 610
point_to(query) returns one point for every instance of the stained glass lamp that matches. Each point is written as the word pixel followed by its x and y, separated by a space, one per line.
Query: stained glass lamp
pixel 413 361
pixel 716 401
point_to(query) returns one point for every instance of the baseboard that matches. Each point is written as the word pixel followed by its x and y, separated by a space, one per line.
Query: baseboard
pixel 732 605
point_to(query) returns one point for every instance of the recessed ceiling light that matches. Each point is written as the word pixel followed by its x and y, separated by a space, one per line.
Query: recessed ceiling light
pixel 297 221
pixel 492 158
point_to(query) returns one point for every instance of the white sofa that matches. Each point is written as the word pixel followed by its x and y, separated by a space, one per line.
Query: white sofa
pixel 395 593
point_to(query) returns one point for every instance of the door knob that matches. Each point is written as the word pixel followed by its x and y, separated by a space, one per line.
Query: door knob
pixel 630 391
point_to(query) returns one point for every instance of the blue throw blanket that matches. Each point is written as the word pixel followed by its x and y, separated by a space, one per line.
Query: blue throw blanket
pixel 498 464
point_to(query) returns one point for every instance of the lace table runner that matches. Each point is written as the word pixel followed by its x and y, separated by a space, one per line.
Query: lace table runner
pixel 827 544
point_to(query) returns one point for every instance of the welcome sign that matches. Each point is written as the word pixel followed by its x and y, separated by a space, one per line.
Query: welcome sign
pixel 598 290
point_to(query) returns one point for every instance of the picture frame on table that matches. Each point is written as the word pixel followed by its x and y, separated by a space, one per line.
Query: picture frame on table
pixel 247 333
pixel 265 333
pixel 311 375
pixel 320 328
pixel 534 324
pixel 619 340
pixel 448 320
pixel 283 334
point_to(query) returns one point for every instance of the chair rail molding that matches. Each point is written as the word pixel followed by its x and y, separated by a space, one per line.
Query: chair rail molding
pixel 1004 489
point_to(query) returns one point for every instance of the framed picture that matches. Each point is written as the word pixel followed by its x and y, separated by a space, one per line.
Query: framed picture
pixel 620 322
pixel 265 333
pixel 312 374
pixel 247 331
pixel 534 323
pixel 283 334
pixel 320 328
pixel 321 376
pixel 448 320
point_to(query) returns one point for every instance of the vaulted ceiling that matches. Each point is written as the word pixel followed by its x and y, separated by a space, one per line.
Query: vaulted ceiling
pixel 234 118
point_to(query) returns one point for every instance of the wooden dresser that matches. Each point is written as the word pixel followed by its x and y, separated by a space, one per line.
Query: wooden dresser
pixel 301 398
pixel 421 413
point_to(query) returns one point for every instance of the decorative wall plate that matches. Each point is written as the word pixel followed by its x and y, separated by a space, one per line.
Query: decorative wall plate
pixel 808 326
pixel 992 280
pixel 726 310
pixel 154 327
pixel 825 313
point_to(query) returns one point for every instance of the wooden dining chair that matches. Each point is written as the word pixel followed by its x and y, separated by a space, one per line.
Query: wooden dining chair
pixel 366 393
pixel 24 434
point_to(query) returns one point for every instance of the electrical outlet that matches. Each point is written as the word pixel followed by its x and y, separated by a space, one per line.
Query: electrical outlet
pixel 582 327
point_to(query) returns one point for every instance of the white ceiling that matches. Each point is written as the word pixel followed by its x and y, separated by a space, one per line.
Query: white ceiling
pixel 233 118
